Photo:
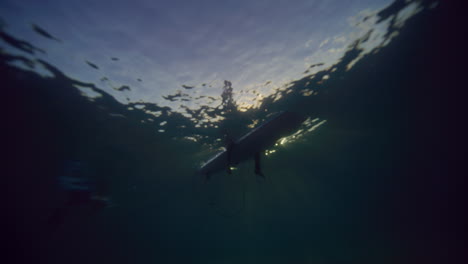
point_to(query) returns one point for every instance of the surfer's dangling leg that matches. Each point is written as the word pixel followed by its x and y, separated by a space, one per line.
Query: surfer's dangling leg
pixel 229 154
pixel 207 177
pixel 258 169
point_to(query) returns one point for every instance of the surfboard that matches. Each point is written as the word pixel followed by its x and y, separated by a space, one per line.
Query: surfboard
pixel 254 142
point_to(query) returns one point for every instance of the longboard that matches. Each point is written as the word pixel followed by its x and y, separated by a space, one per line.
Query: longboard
pixel 253 143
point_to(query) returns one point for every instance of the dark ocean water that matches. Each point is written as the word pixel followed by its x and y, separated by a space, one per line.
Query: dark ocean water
pixel 363 188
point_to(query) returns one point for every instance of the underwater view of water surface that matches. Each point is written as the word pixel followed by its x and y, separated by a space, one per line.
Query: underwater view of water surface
pixel 116 105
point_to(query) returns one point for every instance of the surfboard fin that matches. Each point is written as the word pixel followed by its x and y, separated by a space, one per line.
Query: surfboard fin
pixel 258 169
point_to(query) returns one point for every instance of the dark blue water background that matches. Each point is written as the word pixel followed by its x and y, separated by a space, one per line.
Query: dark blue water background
pixel 346 193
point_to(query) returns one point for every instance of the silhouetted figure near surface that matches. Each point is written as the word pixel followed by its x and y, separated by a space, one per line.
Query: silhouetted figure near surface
pixel 81 193
pixel 253 143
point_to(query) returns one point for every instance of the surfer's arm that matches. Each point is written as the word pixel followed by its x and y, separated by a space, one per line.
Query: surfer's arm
pixel 258 168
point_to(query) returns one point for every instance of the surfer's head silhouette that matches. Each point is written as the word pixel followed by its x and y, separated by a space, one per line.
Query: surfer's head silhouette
pixel 228 101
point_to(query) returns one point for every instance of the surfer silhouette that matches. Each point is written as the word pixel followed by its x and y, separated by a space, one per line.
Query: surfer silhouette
pixel 252 144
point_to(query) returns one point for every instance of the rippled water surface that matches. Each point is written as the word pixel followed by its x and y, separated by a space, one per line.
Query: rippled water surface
pixel 131 97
